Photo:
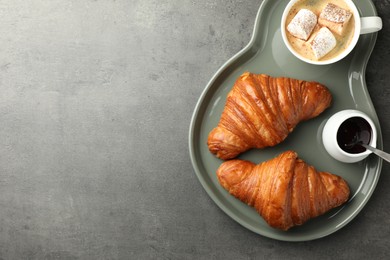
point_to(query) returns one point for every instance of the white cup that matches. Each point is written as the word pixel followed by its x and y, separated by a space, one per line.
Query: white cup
pixel 363 25
pixel 330 132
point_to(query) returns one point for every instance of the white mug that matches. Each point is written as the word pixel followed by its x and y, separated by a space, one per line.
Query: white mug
pixel 363 25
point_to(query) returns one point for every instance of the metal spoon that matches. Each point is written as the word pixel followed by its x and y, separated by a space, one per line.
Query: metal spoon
pixel 380 153
pixel 357 140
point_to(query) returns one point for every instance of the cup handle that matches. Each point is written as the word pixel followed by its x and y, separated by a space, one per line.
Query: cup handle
pixel 370 24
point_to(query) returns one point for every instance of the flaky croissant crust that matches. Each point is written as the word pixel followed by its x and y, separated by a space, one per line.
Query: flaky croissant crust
pixel 285 190
pixel 260 111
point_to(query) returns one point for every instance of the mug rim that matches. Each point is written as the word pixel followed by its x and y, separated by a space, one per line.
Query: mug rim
pixel 348 50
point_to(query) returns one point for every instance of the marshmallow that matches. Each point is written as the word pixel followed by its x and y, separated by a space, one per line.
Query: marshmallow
pixel 323 42
pixel 303 23
pixel 335 18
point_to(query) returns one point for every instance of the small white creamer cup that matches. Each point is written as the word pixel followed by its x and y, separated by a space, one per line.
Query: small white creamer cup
pixel 363 25
pixel 329 136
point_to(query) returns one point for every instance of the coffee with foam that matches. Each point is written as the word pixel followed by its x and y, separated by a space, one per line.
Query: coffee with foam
pixel 329 37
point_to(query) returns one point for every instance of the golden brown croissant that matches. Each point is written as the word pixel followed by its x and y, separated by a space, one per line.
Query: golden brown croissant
pixel 260 111
pixel 285 190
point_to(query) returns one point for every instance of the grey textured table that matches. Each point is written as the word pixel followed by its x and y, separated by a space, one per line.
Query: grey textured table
pixel 95 104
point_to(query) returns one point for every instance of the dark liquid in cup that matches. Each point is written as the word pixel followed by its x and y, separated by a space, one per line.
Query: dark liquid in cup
pixel 353 131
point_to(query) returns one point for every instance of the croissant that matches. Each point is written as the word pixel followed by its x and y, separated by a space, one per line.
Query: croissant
pixel 260 111
pixel 285 190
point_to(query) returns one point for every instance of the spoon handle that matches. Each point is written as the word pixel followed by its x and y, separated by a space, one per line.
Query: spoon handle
pixel 378 152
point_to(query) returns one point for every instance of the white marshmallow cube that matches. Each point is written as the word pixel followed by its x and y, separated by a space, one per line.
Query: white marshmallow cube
pixel 303 23
pixel 323 42
pixel 335 18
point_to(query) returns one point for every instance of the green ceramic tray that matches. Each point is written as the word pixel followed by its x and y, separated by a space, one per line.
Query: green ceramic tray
pixel 266 53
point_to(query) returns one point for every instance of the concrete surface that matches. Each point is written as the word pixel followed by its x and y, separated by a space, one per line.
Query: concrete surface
pixel 95 104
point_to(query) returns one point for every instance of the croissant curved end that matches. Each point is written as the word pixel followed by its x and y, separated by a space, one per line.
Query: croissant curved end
pixel 232 172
